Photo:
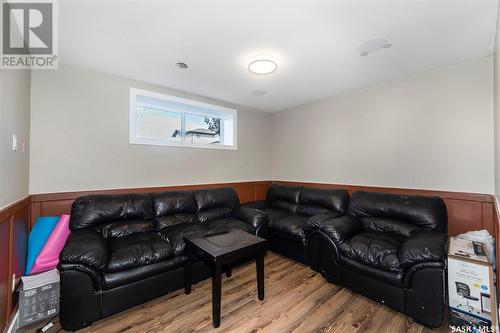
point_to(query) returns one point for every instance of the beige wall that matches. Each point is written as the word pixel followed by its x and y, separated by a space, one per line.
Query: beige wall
pixel 14 119
pixel 431 131
pixel 80 135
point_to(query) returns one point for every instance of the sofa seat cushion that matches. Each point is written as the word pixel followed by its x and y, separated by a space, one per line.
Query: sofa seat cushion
pixel 175 235
pixel 229 224
pixel 275 214
pixel 116 279
pixel 376 249
pixel 291 226
pixel 137 250
pixel 391 277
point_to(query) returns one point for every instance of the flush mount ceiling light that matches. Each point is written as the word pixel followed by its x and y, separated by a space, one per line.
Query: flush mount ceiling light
pixel 372 45
pixel 181 65
pixel 262 65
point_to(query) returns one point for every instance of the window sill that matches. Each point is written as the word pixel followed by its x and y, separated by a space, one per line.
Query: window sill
pixel 147 142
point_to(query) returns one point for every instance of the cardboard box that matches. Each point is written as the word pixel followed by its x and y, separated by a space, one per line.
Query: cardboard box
pixel 39 297
pixel 471 289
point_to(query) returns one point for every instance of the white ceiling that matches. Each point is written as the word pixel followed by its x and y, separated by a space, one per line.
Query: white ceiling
pixel 314 43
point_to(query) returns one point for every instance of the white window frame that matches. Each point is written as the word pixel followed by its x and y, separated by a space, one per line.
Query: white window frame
pixel 135 139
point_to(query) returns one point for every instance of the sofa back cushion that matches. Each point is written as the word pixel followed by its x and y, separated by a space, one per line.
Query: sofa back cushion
pixel 118 229
pixel 394 212
pixel 314 201
pixel 173 207
pixel 284 197
pixel 114 215
pixel 215 203
pixel 384 224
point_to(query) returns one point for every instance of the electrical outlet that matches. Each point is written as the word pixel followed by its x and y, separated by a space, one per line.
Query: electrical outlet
pixel 13 282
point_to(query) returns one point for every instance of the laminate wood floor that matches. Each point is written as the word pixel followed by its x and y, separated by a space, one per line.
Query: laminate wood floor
pixel 297 300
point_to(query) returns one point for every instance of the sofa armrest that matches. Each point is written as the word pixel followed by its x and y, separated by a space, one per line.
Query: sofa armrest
pixel 86 247
pixel 96 276
pixel 262 204
pixel 423 246
pixel 315 221
pixel 341 228
pixel 253 216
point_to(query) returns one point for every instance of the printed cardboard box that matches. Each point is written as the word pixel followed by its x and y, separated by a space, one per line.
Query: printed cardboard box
pixel 471 288
pixel 39 297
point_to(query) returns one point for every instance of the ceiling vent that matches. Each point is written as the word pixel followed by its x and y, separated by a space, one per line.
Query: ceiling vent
pixel 371 45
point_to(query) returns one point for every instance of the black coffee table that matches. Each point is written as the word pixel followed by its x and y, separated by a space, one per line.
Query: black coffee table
pixel 221 250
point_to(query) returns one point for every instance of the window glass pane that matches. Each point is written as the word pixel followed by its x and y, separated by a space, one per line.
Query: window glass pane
pixel 203 130
pixel 159 119
pixel 156 124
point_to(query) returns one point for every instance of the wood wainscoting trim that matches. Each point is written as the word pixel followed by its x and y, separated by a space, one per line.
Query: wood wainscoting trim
pixel 497 239
pixel 14 223
pixel 478 197
pixel 14 207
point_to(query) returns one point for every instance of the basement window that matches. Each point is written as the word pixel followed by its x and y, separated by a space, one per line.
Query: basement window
pixel 163 120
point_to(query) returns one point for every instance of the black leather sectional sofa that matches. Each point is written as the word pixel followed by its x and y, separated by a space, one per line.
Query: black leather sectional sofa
pixel 294 211
pixel 127 249
pixel 391 248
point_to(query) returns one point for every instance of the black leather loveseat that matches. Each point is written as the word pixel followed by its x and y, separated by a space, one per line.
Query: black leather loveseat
pixel 294 211
pixel 127 249
pixel 391 248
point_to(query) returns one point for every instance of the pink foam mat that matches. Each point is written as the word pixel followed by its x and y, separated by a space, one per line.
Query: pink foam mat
pixel 49 255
